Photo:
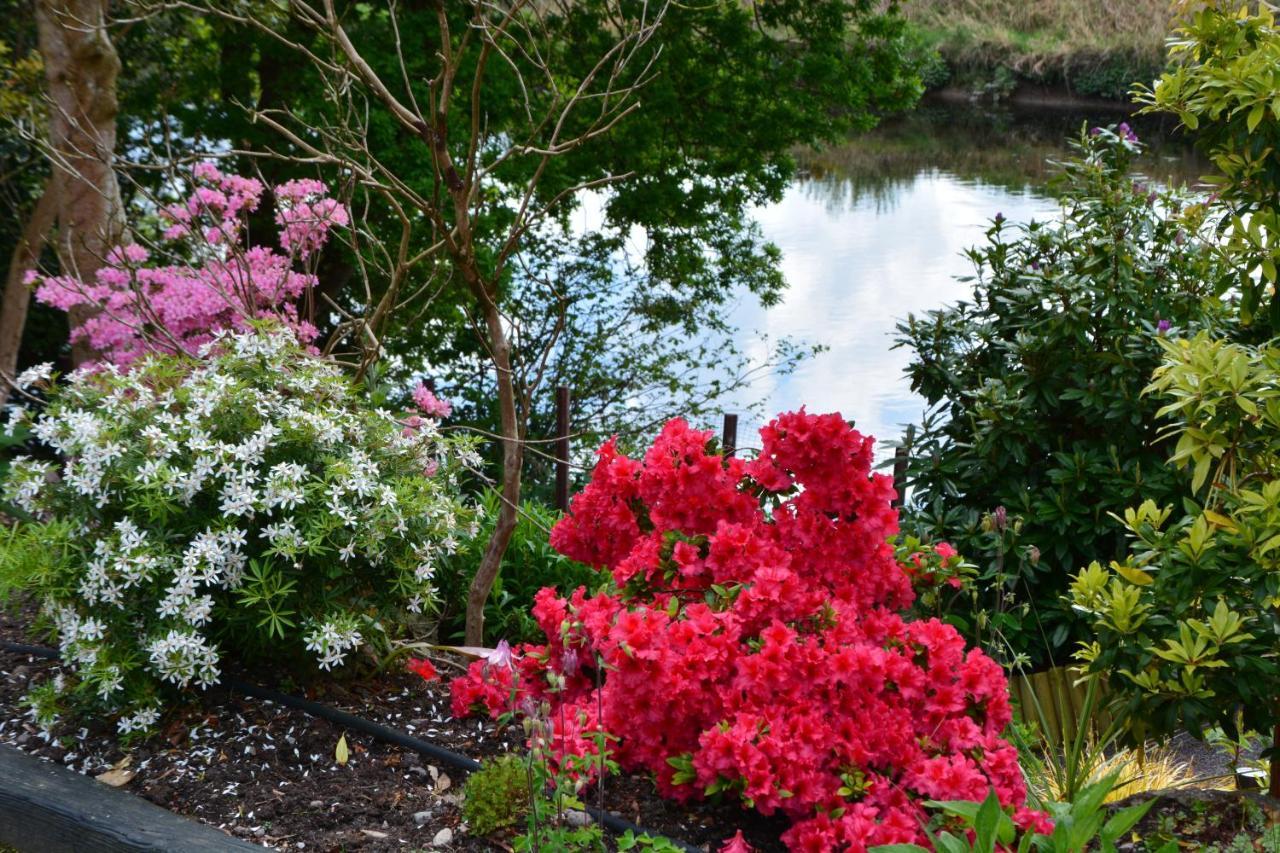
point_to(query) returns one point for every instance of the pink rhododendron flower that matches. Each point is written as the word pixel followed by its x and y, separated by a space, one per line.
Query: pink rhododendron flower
pixel 429 404
pixel 757 645
pixel 180 307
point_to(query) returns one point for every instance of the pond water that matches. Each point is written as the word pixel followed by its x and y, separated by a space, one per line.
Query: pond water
pixel 875 230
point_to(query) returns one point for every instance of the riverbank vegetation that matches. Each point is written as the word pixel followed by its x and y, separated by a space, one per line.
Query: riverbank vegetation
pixel 1092 48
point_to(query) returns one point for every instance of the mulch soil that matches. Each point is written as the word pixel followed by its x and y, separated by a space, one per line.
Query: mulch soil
pixel 268 774
pixel 1198 819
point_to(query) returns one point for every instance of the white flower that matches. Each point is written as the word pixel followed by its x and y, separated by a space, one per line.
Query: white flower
pixel 32 375
pixel 198 610
pixel 238 498
pixel 182 658
pixel 139 721
pixel 109 681
pixel 332 640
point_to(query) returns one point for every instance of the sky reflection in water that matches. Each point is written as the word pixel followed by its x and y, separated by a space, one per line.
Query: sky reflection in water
pixel 855 267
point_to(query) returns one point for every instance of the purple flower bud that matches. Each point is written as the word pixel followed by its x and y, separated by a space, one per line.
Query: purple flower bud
pixel 1000 518
pixel 999 217
pixel 501 656
pixel 569 662
pixel 1095 131
pixel 1162 327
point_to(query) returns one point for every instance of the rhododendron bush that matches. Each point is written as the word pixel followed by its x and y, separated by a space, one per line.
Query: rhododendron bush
pixel 216 282
pixel 754 644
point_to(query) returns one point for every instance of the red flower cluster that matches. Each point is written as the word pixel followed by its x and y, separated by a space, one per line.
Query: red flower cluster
pixel 755 646
pixel 423 668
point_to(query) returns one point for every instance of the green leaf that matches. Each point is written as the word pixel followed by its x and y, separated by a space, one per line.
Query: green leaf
pixel 1201 472
pixel 1255 116
pixel 1124 820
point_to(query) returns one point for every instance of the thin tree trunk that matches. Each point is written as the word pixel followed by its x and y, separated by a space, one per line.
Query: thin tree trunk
pixel 81 67
pixel 512 460
pixel 17 296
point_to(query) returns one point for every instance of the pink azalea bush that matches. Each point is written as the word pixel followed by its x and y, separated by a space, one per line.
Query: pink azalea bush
pixel 220 283
pixel 755 644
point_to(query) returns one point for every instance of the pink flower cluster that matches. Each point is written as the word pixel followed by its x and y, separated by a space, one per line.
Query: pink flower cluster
pixel 429 404
pixel 140 306
pixel 756 645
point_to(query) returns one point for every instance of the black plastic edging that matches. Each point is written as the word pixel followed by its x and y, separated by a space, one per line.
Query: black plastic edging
pixel 351 721
pixel 384 733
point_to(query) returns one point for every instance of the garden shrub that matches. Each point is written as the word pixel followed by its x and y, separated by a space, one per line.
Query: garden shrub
pixel 753 646
pixel 1185 621
pixel 215 281
pixel 1223 84
pixel 1038 426
pixel 496 795
pixel 250 504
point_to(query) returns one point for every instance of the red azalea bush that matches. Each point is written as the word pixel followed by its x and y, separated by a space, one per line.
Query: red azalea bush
pixel 755 644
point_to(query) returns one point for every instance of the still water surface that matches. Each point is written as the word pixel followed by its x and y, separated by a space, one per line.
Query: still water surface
pixel 876 229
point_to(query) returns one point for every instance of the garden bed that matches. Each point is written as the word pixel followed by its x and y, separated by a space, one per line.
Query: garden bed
pixel 267 773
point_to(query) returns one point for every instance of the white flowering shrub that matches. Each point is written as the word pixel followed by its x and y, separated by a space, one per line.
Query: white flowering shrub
pixel 247 505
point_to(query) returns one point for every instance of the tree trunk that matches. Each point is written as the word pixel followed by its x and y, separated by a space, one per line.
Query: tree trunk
pixel 81 67
pixel 512 460
pixel 17 296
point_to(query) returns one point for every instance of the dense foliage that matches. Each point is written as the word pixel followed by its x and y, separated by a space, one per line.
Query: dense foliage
pixel 1224 85
pixel 1038 426
pixel 1187 619
pixel 752 645
pixel 247 505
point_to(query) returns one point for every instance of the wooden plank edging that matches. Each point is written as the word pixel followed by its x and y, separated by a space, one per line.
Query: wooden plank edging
pixel 45 808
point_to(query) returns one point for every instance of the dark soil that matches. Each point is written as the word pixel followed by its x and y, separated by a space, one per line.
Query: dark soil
pixel 268 773
pixel 1201 819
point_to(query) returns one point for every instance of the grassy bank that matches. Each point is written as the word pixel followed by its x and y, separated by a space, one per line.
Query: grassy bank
pixel 1089 47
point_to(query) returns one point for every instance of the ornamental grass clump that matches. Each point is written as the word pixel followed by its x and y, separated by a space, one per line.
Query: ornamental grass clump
pixel 190 513
pixel 753 644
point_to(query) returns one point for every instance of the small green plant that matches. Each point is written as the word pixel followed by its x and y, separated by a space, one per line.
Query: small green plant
pixel 579 839
pixel 1238 749
pixel 656 843
pixel 497 795
pixel 1062 770
pixel 1080 825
